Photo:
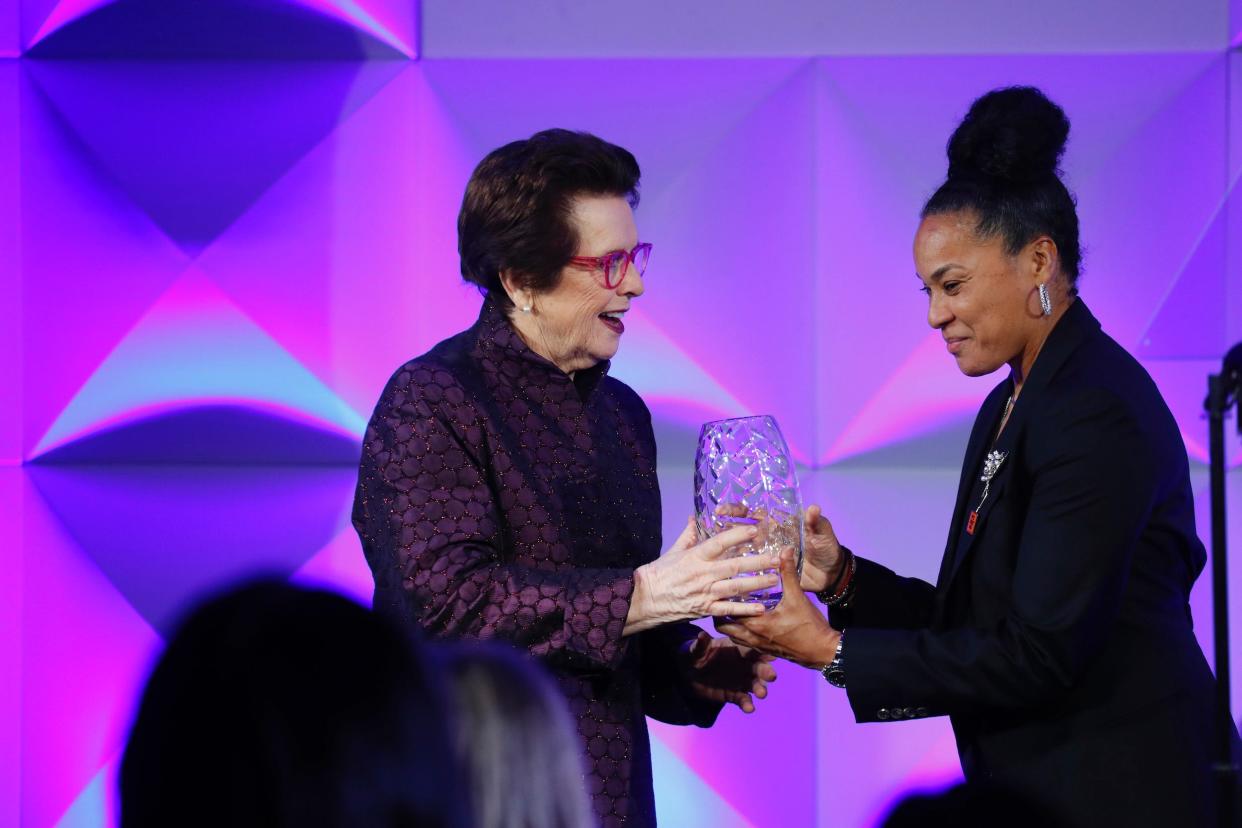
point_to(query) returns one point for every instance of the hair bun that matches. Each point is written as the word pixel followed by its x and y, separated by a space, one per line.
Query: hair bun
pixel 1015 134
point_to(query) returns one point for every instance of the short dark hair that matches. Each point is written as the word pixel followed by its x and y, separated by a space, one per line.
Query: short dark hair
pixel 1004 165
pixel 276 705
pixel 515 215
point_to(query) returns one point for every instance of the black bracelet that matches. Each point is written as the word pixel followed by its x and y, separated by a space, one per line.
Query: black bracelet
pixel 843 587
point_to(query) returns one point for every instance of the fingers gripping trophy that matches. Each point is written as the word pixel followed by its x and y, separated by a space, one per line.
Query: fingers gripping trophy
pixel 744 475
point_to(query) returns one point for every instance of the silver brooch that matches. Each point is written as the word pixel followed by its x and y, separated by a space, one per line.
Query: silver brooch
pixel 991 465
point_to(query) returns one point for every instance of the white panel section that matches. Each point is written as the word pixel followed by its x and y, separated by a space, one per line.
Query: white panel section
pixel 640 28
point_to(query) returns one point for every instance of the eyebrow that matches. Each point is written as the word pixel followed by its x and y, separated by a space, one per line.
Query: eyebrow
pixel 940 271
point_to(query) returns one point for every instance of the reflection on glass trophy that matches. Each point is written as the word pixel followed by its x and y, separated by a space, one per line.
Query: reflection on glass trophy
pixel 743 474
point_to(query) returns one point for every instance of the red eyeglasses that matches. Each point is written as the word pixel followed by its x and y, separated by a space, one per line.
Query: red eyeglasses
pixel 613 265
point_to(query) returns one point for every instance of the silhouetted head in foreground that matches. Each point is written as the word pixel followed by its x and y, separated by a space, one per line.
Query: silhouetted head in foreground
pixel 280 706
pixel 972 806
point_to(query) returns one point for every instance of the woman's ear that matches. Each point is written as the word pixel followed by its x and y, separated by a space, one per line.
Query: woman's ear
pixel 521 296
pixel 511 285
pixel 1044 259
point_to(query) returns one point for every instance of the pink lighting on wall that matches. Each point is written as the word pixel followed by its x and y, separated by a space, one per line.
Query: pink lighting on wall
pixel 237 252
pixel 195 347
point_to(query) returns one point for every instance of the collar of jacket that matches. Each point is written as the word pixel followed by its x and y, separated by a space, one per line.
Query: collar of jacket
pixel 496 334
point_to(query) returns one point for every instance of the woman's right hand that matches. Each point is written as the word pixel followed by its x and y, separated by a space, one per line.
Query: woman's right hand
pixel 694 579
pixel 821 553
pixel 822 558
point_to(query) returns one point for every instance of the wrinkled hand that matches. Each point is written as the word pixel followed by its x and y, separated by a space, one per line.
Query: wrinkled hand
pixel 796 630
pixel 721 671
pixel 822 558
pixel 692 580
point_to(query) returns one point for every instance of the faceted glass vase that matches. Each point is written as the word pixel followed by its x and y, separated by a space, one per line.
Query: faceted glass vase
pixel 743 475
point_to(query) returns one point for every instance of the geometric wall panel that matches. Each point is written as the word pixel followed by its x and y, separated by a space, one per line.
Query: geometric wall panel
pixel 1233 207
pixel 680 392
pixel 1183 384
pixel 339 566
pixel 221 260
pixel 163 535
pixel 10 40
pixel 201 141
pixel 194 348
pixel 92 262
pixel 1189 322
pixel 233 29
pixel 349 259
pixel 85 651
pixel 99 803
pixel 735 289
pixel 12 551
pixel 883 123
pixel 710 28
pixel 683 797
pixel 10 268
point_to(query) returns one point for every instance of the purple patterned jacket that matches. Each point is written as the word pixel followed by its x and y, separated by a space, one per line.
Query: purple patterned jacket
pixel 499 498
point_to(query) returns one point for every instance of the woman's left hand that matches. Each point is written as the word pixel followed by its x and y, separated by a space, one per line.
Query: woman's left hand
pixel 796 630
pixel 722 671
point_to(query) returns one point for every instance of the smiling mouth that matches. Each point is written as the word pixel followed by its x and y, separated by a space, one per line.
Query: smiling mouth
pixel 612 320
pixel 954 345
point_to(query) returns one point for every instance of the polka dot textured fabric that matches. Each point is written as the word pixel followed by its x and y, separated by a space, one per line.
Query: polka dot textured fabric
pixel 499 498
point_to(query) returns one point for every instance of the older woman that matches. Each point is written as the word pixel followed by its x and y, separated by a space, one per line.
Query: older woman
pixel 1058 634
pixel 508 483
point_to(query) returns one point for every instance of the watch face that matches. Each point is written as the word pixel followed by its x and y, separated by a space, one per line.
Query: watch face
pixel 835 676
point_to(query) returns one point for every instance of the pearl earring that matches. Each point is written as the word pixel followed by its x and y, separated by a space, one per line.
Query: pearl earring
pixel 1045 301
pixel 526 308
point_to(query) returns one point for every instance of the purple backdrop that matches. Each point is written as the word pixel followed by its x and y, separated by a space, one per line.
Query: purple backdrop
pixel 223 225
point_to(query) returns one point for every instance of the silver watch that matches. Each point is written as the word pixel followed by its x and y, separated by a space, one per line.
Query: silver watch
pixel 834 671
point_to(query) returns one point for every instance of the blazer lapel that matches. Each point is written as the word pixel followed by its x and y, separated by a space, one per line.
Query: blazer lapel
pixel 980 435
pixel 1074 327
pixel 1004 446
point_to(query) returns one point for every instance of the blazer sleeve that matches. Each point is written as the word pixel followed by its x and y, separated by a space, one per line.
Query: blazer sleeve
pixel 1093 483
pixel 431 529
pixel 667 696
pixel 885 600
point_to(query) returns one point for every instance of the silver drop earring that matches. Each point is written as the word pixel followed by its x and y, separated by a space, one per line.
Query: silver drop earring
pixel 1045 301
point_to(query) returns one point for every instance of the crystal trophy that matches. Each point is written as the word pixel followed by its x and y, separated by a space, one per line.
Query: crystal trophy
pixel 743 475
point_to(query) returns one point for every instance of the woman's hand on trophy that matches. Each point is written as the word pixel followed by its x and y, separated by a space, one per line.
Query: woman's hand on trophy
pixel 796 630
pixel 694 579
pixel 822 558
pixel 821 552
pixel 719 670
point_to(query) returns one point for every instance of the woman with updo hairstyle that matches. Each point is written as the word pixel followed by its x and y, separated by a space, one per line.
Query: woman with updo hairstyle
pixel 1057 637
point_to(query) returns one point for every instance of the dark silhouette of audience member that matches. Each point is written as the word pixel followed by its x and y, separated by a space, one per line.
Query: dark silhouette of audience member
pixel 972 805
pixel 516 740
pixel 280 706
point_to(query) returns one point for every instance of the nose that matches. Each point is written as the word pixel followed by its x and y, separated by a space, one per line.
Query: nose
pixel 631 283
pixel 938 314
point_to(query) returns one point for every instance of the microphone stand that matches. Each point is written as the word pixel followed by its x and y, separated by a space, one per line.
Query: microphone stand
pixel 1223 392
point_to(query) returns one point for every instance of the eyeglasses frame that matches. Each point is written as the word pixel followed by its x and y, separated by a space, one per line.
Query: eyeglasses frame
pixel 601 263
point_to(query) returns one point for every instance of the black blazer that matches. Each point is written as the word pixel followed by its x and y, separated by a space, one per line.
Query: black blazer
pixel 1058 636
